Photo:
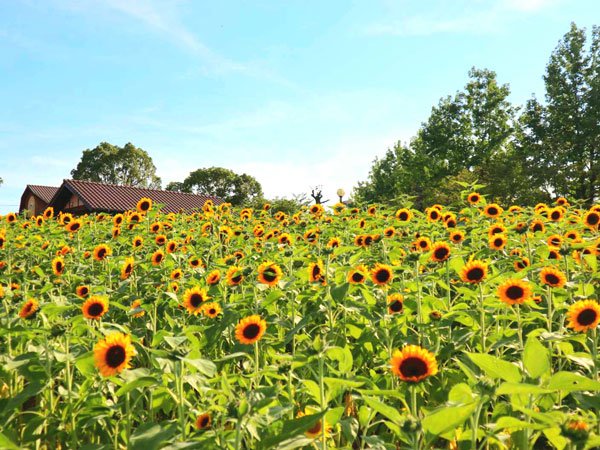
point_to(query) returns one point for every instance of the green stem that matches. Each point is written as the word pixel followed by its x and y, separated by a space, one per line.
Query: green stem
pixel 519 326
pixel 322 394
pixel 69 393
pixel 482 319
pixel 128 412
pixel 419 311
pixel 256 364
pixel 179 382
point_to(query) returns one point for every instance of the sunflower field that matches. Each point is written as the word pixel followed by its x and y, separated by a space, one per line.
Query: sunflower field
pixel 332 328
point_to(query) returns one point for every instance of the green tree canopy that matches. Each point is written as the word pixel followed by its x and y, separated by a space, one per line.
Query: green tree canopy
pixel 219 182
pixel 559 141
pixel 128 165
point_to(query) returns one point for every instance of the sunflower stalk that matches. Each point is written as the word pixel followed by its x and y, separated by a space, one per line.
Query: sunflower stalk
pixel 482 319
pixel 179 380
pixel 322 397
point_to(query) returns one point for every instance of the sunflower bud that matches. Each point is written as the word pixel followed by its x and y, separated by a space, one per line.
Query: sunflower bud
pixel 411 425
pixel 485 386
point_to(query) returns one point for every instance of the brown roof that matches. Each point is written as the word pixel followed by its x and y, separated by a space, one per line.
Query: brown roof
pixel 44 192
pixel 112 198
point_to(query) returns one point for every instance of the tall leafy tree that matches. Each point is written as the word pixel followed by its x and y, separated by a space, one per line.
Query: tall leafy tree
pixel 127 165
pixel 560 140
pixel 223 183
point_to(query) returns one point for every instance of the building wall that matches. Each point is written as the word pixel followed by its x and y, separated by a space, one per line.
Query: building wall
pixel 35 205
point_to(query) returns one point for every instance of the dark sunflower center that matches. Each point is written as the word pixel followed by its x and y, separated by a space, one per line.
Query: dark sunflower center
pixel 204 422
pixel 593 219
pixel 422 244
pixel 555 215
pixel 196 299
pixel 84 291
pixel 451 223
pixel 27 308
pixel 95 309
pixel 269 275
pixel 158 258
pixel 359 241
pixel 498 242
pixel 553 255
pixel 515 292
pixel 368 240
pixel 396 306
pixel 144 206
pixel 128 268
pixel 538 227
pixel 403 216
pixel 59 266
pixel 497 230
pixel 316 428
pixel 441 253
pixel 382 275
pixel 212 311
pixel 551 278
pixel 115 356
pixel 101 253
pixel 475 274
pixel 316 271
pixel 75 226
pixel 236 279
pixel 251 331
pixel 413 367
pixel 357 277
pixel 587 317
pixel 194 262
pixel 474 198
pixel 492 211
pixel 434 215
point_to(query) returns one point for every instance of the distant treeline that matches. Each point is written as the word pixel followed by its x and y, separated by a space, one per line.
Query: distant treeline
pixel 523 155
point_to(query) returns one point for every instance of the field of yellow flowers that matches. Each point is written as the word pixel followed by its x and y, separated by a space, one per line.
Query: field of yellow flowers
pixel 370 328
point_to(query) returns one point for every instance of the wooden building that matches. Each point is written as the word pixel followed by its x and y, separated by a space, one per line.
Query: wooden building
pixel 36 198
pixel 83 197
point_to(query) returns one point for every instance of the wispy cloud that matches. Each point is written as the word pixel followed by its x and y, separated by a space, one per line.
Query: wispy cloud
pixel 461 17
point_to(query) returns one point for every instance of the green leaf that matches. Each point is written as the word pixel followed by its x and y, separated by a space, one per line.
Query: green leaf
pixel 150 436
pixel 338 293
pixel 521 388
pixel 446 419
pixel 496 367
pixel 334 415
pixel 204 366
pixel 460 393
pixel 571 382
pixel 383 409
pixel 535 358
pixel 343 356
pixel 6 443
pixel 85 364
pixel 515 424
pixel 291 428
pixel 135 384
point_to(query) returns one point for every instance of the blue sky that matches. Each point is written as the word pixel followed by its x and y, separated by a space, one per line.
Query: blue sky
pixel 295 93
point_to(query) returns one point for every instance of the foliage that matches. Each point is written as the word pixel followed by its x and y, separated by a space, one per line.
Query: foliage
pixel 128 165
pixel 550 150
pixel 507 375
pixel 223 183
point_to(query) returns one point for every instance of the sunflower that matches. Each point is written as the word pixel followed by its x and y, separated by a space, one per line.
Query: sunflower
pixel 49 213
pixel 157 257
pixel 137 304
pixel 592 219
pixel 269 273
pixel 553 277
pixel 359 240
pixel 497 242
pixel 250 329
pixel 213 277
pixel 522 263
pixel 137 242
pixel 395 303
pixel 334 242
pixel 194 261
pixel 160 239
pixel 11 218
pixel 514 291
pixel 556 214
pixel 144 205
pixel 358 274
pixel 155 227
pixel 316 431
pixel 584 315
pixel 553 253
pixel 82 291
pixel 457 236
pixel 127 268
pixel 537 225
pixel 413 363
pixel 433 214
pixel 316 272
pixel 2 240
pixel 440 251
pixel 285 239
pixel 29 309
pixel 113 353
pixel 497 228
pixel 101 252
pixel 203 421
pixel 176 274
pixel 58 266
pixel 493 210
pixel 389 232
pixel 403 215
pixel 211 309
pixel 573 235
pixel 381 274
pixel 473 198
pixel 74 226
pixel 234 275
pixel 193 299
pixel 423 244
pixel 95 307
pixel 474 271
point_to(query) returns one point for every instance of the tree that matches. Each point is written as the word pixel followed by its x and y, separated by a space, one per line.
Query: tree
pixel 559 141
pixel 465 137
pixel 223 183
pixel 128 165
